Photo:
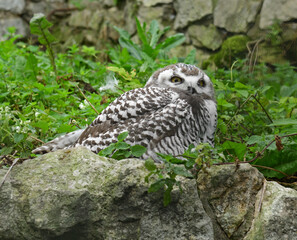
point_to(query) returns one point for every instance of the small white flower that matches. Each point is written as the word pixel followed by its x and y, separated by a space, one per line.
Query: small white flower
pixel 36 114
pixel 82 106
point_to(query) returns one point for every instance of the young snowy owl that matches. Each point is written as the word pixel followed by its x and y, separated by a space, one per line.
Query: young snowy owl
pixel 176 108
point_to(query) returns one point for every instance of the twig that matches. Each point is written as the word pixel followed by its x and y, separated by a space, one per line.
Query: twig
pixel 38 140
pixel 273 169
pixel 240 108
pixel 87 100
pixel 8 171
pixel 263 108
pixel 260 154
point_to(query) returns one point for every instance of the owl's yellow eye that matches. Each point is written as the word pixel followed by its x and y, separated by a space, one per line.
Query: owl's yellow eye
pixel 176 80
pixel 201 82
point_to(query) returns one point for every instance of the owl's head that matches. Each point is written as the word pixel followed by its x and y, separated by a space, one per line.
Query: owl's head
pixel 184 77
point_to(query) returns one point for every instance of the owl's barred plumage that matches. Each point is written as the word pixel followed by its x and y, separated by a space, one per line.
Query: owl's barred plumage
pixel 176 108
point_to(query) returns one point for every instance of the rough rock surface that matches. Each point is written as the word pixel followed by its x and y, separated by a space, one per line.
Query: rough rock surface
pixel 190 11
pixel 235 15
pixel 13 21
pixel 14 6
pixel 150 3
pixel 278 216
pixel 75 194
pixel 205 36
pixel 228 194
pixel 282 10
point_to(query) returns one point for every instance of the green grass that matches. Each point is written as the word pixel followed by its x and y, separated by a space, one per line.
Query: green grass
pixel 40 96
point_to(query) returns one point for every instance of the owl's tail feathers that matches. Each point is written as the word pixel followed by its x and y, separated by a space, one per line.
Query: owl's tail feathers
pixel 61 142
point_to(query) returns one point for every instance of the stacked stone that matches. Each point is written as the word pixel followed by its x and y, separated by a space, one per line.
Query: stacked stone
pixel 206 24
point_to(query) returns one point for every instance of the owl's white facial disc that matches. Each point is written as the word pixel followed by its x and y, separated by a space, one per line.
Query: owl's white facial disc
pixel 184 77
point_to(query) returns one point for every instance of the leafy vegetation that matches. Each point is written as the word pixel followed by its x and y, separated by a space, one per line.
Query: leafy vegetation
pixel 43 95
pixel 121 149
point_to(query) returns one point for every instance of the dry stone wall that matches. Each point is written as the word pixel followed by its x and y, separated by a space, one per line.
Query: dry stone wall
pixel 206 24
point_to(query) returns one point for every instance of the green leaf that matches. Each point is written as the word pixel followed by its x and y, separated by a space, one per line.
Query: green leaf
pixel 122 136
pixel 18 137
pixel 107 151
pixel 6 150
pixel 191 58
pixel 121 154
pixel 141 32
pixel 138 150
pixel 284 160
pixel 39 26
pixel 122 145
pixel 172 42
pixel 167 195
pixel 153 30
pixel 123 33
pixel 150 164
pixel 41 124
pixel 239 148
pixel 156 185
pixel 134 50
pixel 283 122
pixel 180 170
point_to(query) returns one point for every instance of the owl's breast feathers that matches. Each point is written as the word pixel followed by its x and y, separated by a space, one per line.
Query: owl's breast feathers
pixel 163 120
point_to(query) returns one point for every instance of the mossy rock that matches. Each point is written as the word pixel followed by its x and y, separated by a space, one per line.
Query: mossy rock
pixel 232 48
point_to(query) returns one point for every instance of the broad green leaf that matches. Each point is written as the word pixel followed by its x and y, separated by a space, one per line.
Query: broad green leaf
pixel 138 150
pixel 18 137
pixel 6 150
pixel 180 170
pixel 243 93
pixel 121 154
pixel 150 164
pixel 122 136
pixel 240 85
pixel 107 151
pixel 41 124
pixel 134 50
pixel 122 145
pixel 284 160
pixel 254 139
pixel 157 185
pixel 123 33
pixel 239 148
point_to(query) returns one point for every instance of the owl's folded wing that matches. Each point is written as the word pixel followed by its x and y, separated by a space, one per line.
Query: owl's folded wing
pixel 135 103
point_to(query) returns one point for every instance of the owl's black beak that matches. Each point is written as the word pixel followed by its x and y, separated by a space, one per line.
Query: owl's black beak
pixel 192 90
